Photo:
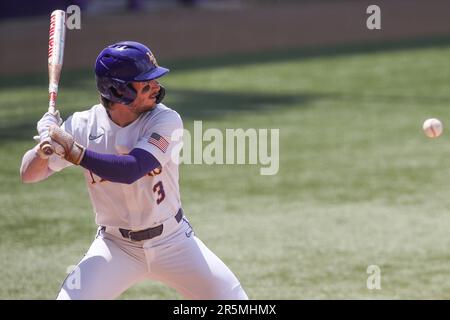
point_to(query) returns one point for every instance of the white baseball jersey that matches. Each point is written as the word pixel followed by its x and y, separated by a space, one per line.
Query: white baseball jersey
pixel 153 198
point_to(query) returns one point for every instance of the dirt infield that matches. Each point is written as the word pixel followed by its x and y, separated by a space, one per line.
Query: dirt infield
pixel 198 32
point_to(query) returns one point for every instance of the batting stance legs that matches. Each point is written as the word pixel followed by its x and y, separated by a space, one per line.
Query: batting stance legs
pixel 179 259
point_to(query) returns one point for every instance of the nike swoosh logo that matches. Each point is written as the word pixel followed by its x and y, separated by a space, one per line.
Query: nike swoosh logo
pixel 91 137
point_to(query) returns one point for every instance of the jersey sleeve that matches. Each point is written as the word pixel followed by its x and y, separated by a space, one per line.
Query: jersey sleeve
pixel 55 162
pixel 163 137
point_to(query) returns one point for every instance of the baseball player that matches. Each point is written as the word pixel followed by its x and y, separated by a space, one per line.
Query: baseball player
pixel 124 145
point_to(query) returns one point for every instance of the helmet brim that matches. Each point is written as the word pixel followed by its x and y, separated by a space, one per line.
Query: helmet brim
pixel 152 74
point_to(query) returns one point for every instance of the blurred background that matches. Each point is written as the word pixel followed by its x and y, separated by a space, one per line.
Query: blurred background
pixel 201 28
pixel 359 184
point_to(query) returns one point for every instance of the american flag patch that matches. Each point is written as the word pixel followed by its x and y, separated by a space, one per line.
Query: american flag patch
pixel 158 141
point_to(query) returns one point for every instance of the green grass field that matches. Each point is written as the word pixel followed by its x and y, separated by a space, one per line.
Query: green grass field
pixel 359 184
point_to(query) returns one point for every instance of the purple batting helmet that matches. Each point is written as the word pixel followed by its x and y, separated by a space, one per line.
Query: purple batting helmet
pixel 124 62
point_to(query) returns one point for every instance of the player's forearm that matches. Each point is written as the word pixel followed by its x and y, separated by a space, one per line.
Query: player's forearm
pixel 120 168
pixel 33 167
pixel 115 168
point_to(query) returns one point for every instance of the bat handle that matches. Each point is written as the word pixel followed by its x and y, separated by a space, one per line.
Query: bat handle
pixel 46 147
pixel 52 99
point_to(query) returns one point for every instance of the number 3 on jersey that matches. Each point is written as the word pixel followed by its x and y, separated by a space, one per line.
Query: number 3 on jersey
pixel 159 189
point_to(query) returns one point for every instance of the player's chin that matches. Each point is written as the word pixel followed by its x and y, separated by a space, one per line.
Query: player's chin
pixel 148 106
pixel 152 102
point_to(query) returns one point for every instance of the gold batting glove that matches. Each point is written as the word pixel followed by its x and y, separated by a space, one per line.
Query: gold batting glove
pixel 73 151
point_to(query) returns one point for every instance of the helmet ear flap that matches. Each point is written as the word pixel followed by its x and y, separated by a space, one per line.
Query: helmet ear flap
pixel 116 90
pixel 128 93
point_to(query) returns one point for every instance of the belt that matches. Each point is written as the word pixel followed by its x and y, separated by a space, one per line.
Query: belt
pixel 148 233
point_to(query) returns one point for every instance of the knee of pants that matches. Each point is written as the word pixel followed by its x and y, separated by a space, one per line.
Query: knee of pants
pixel 77 294
pixel 68 293
pixel 65 294
pixel 236 293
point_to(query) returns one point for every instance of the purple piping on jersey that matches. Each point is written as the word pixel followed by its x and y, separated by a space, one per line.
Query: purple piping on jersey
pixel 120 168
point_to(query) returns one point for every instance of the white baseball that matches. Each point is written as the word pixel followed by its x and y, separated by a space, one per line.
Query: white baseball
pixel 432 128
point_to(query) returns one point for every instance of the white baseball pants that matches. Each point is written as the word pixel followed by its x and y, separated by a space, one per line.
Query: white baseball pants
pixel 179 259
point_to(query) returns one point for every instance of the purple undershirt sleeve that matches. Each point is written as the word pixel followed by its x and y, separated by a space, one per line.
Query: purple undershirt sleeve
pixel 120 168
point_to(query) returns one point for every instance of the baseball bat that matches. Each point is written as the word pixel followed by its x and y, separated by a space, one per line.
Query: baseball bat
pixel 56 41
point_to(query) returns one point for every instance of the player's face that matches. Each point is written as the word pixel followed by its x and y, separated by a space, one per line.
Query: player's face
pixel 146 96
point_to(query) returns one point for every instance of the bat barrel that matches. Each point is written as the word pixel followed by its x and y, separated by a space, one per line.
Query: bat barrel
pixel 56 40
pixel 56 37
